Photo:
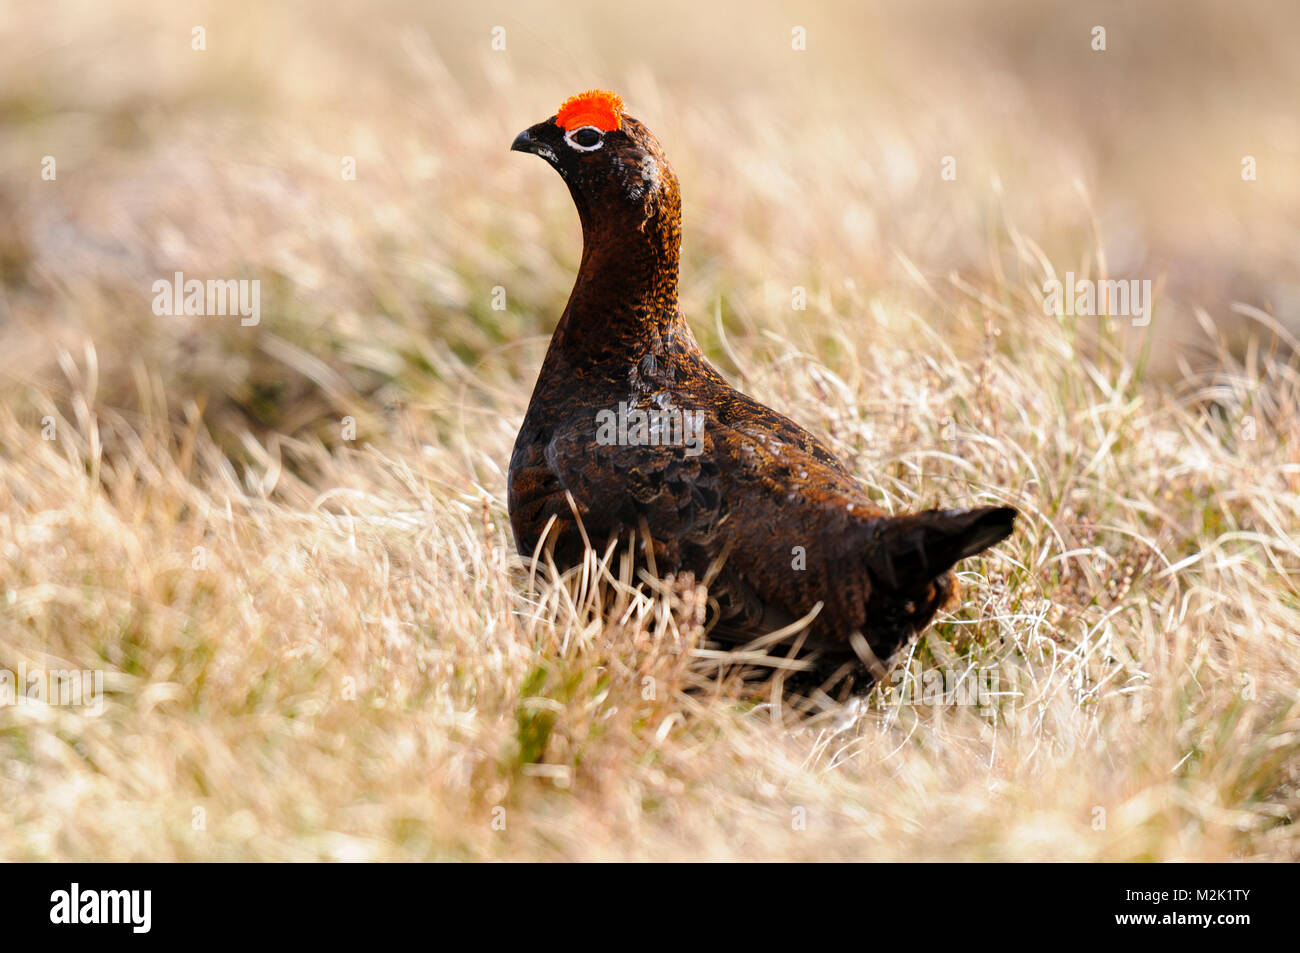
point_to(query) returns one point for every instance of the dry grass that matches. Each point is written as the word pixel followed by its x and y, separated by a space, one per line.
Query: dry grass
pixel 362 668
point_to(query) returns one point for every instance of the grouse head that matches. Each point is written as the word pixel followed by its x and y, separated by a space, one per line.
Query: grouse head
pixel 613 165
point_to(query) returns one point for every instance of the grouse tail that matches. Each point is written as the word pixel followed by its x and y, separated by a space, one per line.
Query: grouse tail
pixel 923 545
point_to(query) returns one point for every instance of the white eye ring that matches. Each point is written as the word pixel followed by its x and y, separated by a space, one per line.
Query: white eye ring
pixel 568 137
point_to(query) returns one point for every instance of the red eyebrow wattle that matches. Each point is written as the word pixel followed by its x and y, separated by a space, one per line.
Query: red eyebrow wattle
pixel 596 107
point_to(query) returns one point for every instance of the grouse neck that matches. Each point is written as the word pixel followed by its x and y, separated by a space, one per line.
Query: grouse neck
pixel 625 295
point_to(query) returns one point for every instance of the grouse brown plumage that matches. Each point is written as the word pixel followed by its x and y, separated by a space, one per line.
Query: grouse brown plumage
pixel 630 420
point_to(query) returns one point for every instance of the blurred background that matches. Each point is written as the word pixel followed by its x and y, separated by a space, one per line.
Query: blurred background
pixel 818 167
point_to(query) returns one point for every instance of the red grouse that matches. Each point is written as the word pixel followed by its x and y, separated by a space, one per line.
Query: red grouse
pixel 631 420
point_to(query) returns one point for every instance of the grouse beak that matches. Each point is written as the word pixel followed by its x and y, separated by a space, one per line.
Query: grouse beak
pixel 524 143
pixel 534 140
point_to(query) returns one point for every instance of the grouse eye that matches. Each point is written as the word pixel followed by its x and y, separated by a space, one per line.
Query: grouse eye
pixel 587 138
pixel 909 607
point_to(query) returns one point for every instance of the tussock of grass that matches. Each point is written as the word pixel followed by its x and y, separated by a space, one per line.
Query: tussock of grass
pixel 363 667
pixel 317 647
